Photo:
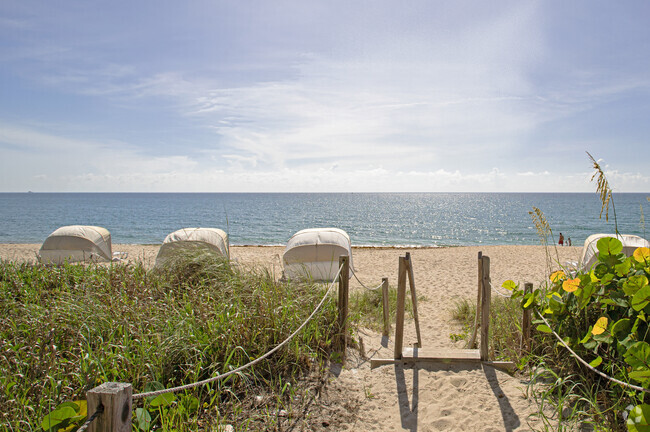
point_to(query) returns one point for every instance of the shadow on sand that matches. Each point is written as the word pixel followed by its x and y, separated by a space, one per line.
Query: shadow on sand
pixel 409 409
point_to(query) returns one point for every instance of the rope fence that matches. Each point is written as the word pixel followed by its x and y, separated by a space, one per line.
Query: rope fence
pixel 249 364
pixel 92 418
pixel 363 285
pixel 587 365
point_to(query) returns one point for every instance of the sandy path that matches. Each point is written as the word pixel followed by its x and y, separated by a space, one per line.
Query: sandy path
pixel 425 398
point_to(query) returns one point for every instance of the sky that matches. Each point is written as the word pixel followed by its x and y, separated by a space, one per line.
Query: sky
pixel 323 96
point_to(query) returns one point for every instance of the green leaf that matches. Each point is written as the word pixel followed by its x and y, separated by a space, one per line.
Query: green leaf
pixel 58 418
pixel 72 405
pixel 641 376
pixel 621 328
pixel 600 270
pixel 609 246
pixel 164 399
pixel 638 355
pixel 544 328
pixel 641 298
pixel 624 268
pixel 596 362
pixel 529 300
pixel 151 387
pixel 143 419
pixel 634 284
pixel 639 419
pixel 509 285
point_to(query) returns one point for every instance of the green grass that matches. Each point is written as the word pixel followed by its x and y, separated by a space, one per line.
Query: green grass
pixel 505 326
pixel 64 330
pixel 367 309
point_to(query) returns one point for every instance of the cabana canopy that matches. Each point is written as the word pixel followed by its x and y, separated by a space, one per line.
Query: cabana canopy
pixel 590 250
pixel 314 253
pixel 187 239
pixel 76 243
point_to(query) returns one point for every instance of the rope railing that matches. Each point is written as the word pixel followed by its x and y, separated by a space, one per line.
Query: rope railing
pixel 249 364
pixel 363 285
pixel 92 418
pixel 496 290
pixel 587 365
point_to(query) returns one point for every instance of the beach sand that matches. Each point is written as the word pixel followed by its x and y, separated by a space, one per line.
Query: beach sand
pixel 458 397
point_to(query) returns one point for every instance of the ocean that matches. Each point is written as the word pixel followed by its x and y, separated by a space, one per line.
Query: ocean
pixel 371 219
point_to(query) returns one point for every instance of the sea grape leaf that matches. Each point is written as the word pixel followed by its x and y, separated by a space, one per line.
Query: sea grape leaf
pixel 72 405
pixel 609 246
pixel 623 268
pixel 571 285
pixel 607 279
pixel 596 362
pixel 143 419
pixel 509 285
pixel 529 300
pixel 544 328
pixel 164 399
pixel 639 419
pixel 634 284
pixel 600 270
pixel 621 328
pixel 638 355
pixel 641 298
pixel 58 418
pixel 557 276
pixel 585 295
pixel 642 255
pixel 600 326
pixel 641 376
pixel 613 260
pixel 151 387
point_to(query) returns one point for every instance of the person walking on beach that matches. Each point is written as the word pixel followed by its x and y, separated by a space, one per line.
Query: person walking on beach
pixel 561 241
pixel 568 241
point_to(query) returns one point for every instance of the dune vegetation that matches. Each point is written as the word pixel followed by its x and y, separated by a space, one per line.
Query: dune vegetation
pixel 66 329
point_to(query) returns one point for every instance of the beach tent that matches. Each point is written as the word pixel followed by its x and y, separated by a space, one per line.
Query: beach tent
pixel 590 250
pixel 314 253
pixel 187 239
pixel 76 243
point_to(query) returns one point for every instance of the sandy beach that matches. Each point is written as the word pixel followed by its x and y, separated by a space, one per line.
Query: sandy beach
pixel 425 398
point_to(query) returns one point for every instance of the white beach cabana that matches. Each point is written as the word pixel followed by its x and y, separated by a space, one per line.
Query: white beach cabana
pixel 314 254
pixel 183 240
pixel 76 243
pixel 590 250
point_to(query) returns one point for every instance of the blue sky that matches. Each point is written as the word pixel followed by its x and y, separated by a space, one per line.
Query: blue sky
pixel 323 96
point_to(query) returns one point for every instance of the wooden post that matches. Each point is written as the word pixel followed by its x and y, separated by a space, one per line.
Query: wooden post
pixel 486 294
pixel 472 340
pixel 401 310
pixel 344 281
pixel 526 321
pixel 386 306
pixel 116 400
pixel 414 298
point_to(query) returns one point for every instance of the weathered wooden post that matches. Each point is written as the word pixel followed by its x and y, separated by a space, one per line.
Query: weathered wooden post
pixel 385 305
pixel 526 321
pixel 486 295
pixel 399 319
pixel 116 400
pixel 414 298
pixel 471 343
pixel 344 281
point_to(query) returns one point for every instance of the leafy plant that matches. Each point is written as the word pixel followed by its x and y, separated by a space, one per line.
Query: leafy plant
pixel 602 314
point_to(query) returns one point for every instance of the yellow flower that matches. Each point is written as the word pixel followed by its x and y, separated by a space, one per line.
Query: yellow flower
pixel 570 285
pixel 557 276
pixel 642 254
pixel 600 326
